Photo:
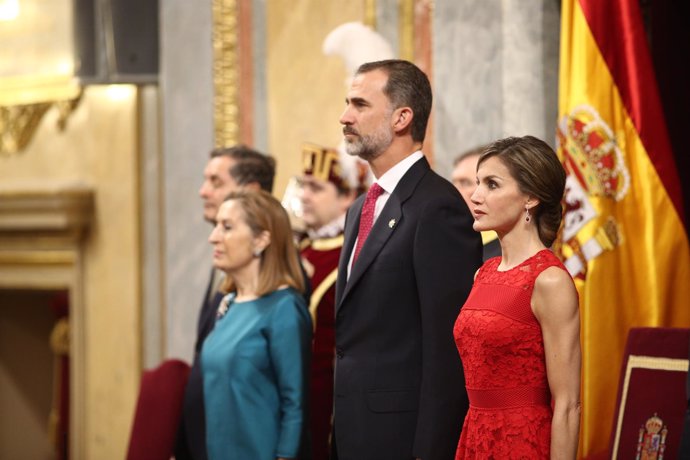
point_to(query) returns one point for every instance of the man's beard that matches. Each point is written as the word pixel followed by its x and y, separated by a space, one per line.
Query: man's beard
pixel 368 147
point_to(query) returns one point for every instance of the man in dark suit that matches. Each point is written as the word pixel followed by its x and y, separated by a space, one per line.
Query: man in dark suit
pixel 228 170
pixel 399 387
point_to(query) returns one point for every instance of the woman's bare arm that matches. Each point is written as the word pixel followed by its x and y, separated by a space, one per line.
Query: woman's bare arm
pixel 555 304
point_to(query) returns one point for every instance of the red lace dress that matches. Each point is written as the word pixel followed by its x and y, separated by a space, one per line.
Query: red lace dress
pixel 502 351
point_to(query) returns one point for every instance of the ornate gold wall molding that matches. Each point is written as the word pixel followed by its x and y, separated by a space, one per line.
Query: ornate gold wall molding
pixel 225 72
pixel 59 208
pixel 18 123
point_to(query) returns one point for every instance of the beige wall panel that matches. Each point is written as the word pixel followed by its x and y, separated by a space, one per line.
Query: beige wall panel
pixel 99 147
pixel 305 88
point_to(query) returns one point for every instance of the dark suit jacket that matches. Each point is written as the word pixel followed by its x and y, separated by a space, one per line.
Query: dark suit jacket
pixel 191 439
pixel 399 386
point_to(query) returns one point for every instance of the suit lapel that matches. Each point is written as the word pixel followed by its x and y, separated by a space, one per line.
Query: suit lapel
pixel 351 229
pixel 387 222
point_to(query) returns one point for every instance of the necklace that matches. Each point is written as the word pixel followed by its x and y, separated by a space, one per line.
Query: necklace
pixel 224 305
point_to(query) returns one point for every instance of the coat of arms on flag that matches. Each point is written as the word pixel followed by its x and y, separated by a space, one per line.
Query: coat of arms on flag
pixel 595 167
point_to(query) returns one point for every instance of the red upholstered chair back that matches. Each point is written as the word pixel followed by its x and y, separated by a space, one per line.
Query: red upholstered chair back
pixel 158 411
pixel 650 410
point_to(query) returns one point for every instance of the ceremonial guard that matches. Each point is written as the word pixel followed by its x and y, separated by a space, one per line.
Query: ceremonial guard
pixel 330 182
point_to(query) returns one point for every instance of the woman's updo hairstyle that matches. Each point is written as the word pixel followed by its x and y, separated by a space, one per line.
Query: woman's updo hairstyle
pixel 539 173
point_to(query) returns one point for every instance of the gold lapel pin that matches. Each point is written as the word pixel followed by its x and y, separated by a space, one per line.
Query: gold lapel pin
pixel 391 223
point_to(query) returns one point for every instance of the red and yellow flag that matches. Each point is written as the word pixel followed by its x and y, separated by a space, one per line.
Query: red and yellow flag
pixel 624 239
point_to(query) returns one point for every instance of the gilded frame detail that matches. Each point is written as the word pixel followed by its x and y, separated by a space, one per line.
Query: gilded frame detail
pixel 225 72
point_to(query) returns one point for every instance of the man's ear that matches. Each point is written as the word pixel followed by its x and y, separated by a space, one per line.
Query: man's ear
pixel 402 117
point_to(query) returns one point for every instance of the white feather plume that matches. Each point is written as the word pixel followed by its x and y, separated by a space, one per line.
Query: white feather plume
pixel 356 44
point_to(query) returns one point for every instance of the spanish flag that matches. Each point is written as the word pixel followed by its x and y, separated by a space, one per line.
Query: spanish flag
pixel 624 239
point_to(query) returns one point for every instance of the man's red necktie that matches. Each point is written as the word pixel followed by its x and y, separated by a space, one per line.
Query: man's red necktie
pixel 366 219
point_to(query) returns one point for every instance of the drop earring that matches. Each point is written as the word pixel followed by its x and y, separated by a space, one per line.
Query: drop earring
pixel 528 218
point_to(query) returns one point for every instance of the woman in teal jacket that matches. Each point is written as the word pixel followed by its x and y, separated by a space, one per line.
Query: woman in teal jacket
pixel 255 362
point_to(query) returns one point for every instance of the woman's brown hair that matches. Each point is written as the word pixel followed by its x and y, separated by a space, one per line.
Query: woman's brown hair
pixel 539 173
pixel 279 263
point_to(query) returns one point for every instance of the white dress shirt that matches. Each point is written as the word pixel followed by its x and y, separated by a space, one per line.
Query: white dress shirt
pixel 388 181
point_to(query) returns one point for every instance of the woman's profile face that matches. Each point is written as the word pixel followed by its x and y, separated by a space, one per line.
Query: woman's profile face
pixel 497 202
pixel 232 239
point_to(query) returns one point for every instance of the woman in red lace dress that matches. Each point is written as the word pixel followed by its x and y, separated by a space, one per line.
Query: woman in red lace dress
pixel 518 334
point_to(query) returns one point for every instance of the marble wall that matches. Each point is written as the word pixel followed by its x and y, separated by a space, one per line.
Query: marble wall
pixel 186 86
pixel 495 73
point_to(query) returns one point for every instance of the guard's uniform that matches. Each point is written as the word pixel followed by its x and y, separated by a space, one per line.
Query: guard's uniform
pixel 321 256
pixel 320 252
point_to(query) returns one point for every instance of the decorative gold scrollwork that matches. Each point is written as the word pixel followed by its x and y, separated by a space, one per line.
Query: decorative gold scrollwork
pixel 19 123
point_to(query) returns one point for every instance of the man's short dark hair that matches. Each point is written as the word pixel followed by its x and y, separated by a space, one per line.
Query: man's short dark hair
pixel 407 86
pixel 250 166
pixel 476 151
